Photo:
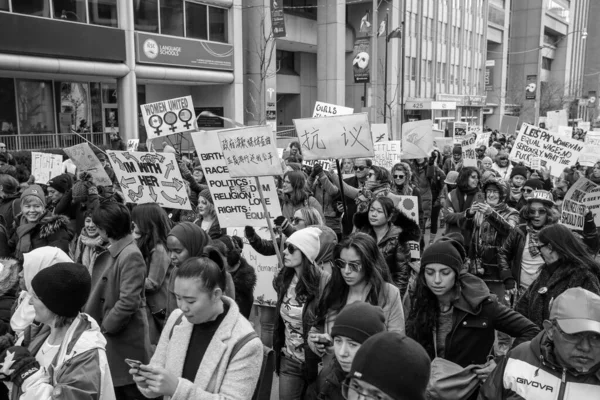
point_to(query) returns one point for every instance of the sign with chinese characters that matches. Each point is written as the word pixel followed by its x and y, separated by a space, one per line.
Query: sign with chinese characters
pixel 387 154
pixel 237 201
pixel 45 166
pixel 147 177
pixel 330 110
pixel 346 136
pixel 169 116
pixel 380 133
pixel 86 161
pixel 250 151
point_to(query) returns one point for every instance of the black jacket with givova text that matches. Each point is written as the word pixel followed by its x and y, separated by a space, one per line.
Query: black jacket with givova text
pixel 530 372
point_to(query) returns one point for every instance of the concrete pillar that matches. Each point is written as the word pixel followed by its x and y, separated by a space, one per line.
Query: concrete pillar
pixel 127 86
pixel 331 45
pixel 234 99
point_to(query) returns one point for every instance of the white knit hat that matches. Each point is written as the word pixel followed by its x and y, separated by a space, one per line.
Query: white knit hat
pixel 307 241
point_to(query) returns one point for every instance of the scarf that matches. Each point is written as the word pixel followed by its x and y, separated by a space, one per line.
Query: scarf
pixel 89 251
pixel 533 241
pixel 370 192
pixel 465 198
pixel 515 193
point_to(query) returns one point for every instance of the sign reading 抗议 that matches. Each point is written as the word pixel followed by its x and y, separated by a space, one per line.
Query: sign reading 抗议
pixel 169 116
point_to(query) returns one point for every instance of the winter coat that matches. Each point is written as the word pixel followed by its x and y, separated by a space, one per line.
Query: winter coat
pixel 117 302
pixel 326 194
pixel 456 216
pixel 156 289
pixel 430 179
pixel 477 314
pixel 288 209
pixel 490 232
pixel 215 231
pixel 79 371
pixel 218 377
pixel 328 385
pixel 50 230
pixel 351 207
pixel 10 208
pixel 535 302
pixel 409 266
pixel 244 282
pixel 531 372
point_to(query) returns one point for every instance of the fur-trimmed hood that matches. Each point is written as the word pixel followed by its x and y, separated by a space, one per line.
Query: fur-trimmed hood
pixel 50 224
pixel 410 229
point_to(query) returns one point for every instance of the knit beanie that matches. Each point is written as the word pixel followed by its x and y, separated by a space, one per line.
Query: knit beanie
pixel 451 178
pixel 393 363
pixel 61 183
pixel 359 321
pixel 457 150
pixel 206 194
pixel 498 184
pixel 535 184
pixel 64 288
pixel 444 252
pixel 519 170
pixel 486 159
pixel 34 190
pixel 307 241
pixel 192 237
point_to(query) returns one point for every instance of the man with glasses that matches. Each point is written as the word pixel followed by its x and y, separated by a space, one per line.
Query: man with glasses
pixel 361 171
pixel 562 362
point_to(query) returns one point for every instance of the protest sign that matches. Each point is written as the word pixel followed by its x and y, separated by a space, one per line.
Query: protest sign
pixel 555 119
pixel 250 151
pixel 483 139
pixel 326 164
pixel 565 131
pixel 169 116
pixel 132 144
pixel 585 125
pixel 86 161
pixel 457 129
pixel 330 110
pixel 591 151
pixel 468 151
pixel 147 177
pixel 572 214
pixel 587 192
pixel 417 139
pixel 237 201
pixel 45 166
pixel 387 154
pixel 474 129
pixel 442 143
pixel 409 206
pixel 345 136
pixel 508 125
pixel 558 152
pixel 266 267
pixel 380 133
pixel 536 163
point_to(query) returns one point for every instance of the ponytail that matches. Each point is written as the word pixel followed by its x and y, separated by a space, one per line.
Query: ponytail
pixel 209 268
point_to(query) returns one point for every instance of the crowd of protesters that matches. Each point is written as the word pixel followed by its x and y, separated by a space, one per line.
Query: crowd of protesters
pixel 485 295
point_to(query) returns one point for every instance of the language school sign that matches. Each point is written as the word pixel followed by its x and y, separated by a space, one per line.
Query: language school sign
pixel 169 116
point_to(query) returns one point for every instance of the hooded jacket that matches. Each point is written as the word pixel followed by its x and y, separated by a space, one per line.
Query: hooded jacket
pixel 244 281
pixel 531 372
pixel 477 315
pixel 79 370
pixel 50 230
pixel 328 385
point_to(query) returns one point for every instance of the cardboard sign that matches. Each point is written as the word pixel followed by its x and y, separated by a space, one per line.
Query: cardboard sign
pixel 558 152
pixel 86 161
pixel 409 206
pixel 380 133
pixel 147 177
pixel 330 110
pixel 555 119
pixel 45 166
pixel 387 154
pixel 572 214
pixel 483 139
pixel 169 116
pixel 132 144
pixel 468 151
pixel 346 136
pixel 250 151
pixel 591 151
pixel 508 125
pixel 417 139
pixel 237 200
pixel 586 192
pixel 457 129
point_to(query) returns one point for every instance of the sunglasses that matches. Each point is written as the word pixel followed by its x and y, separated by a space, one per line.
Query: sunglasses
pixel 399 176
pixel 527 190
pixel 354 266
pixel 295 221
pixel 359 168
pixel 291 248
pixel 533 212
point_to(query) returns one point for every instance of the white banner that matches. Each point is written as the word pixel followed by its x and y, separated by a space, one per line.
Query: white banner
pixel 45 166
pixel 468 150
pixel 417 139
pixel 330 110
pixel 169 116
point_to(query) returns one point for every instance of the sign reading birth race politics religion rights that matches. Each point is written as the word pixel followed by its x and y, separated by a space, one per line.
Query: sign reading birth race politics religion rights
pixel 346 136
pixel 237 201
pixel 169 116
pixel 147 177
pixel 558 152
pixel 45 166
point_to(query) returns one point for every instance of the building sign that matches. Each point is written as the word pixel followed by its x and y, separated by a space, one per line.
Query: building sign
pixel 462 100
pixel 277 19
pixel 166 50
pixel 210 122
pixel 489 78
pixel 429 105
pixel 361 60
pixel 531 88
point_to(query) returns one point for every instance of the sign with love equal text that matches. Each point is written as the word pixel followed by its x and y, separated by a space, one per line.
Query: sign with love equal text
pixel 147 177
pixel 346 136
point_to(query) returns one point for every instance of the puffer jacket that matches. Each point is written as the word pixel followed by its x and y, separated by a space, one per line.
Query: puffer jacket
pixel 407 265
pixel 531 372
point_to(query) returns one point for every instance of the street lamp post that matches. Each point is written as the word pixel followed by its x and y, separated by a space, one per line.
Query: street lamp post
pixel 393 34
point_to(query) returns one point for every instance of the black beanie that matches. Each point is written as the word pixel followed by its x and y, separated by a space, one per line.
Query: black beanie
pixel 444 252
pixel 393 363
pixel 61 183
pixel 359 321
pixel 535 184
pixel 63 287
pixel 519 170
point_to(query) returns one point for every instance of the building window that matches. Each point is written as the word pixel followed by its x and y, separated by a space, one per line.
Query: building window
pixel 443 72
pixel 4 5
pixel 413 69
pixel 103 12
pixel 70 10
pixel 285 62
pixel 217 24
pixel 8 107
pixel 171 17
pixel 40 8
pixel 196 16
pixel 547 63
pixel 146 15
pixel 36 107
pixel 73 107
pixel 429 68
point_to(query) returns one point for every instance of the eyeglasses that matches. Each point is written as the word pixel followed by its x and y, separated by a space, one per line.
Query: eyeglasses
pixel 528 190
pixel 354 265
pixel 575 338
pixel 533 212
pixel 295 220
pixel 352 393
pixel 399 176
pixel 291 248
pixel 359 167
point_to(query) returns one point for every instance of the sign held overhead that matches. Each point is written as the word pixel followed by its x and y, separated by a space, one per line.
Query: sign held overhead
pixel 169 116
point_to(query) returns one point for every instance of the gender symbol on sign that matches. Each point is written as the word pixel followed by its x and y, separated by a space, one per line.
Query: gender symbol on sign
pixel 185 115
pixel 171 119
pixel 156 122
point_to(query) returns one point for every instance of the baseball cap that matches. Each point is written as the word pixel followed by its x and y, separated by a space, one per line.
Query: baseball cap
pixel 576 310
pixel 542 196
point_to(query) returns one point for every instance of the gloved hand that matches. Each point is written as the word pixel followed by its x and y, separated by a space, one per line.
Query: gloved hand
pixel 7 340
pixel 279 221
pixel 317 169
pixel 249 232
pixel 17 364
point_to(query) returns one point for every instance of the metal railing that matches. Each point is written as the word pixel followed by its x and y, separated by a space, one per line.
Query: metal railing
pixel 50 140
pixel 284 131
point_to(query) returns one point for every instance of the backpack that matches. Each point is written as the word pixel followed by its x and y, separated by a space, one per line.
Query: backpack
pixel 265 379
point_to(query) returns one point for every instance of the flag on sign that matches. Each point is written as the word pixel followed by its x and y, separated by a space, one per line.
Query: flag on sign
pixel 382 29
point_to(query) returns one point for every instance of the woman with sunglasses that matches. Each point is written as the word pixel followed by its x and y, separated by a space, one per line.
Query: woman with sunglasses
pixel 460 200
pixel 568 263
pixel 299 285
pixel 296 194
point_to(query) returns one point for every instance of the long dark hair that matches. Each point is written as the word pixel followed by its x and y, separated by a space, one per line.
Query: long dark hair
pixel 388 210
pixel 376 270
pixel 463 178
pixel 300 194
pixel 154 226
pixel 552 215
pixel 569 247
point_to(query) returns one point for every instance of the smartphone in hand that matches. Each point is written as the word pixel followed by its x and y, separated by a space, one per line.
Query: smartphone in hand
pixel 133 363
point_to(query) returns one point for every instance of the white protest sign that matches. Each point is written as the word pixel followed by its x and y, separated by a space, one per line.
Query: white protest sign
pixel 483 139
pixel 346 136
pixel 330 110
pixel 555 119
pixel 457 129
pixel 536 163
pixel 585 125
pixel 379 132
pixel 591 151
pixel 417 139
pixel 558 152
pixel 387 154
pixel 474 129
pixel 237 201
pixel 586 192
pixel 409 206
pixel 45 166
pixel 415 249
pixel 442 142
pixel 468 150
pixel 326 164
pixel 250 151
pixel 86 161
pixel 132 144
pixel 572 214
pixel 169 116
pixel 266 267
pixel 565 131
pixel 147 177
